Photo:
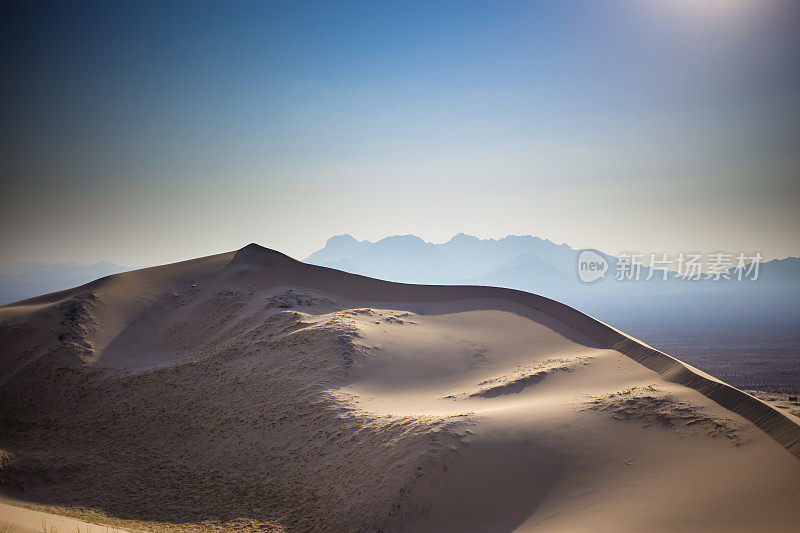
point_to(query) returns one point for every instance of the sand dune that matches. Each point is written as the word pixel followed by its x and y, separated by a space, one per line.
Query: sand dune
pixel 249 391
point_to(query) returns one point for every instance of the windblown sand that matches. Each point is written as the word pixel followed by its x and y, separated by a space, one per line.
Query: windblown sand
pixel 247 391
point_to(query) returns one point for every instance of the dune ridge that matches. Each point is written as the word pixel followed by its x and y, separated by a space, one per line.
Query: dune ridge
pixel 770 420
pixel 250 391
pixel 287 271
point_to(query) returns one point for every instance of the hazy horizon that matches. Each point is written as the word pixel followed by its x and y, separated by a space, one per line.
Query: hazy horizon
pixel 644 259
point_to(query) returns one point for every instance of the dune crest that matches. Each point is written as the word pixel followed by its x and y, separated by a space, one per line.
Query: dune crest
pixel 248 390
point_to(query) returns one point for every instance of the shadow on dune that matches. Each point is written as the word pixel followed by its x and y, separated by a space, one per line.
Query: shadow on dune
pixel 248 433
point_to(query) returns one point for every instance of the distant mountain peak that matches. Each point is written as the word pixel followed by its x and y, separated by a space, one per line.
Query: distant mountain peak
pixel 337 248
pixel 463 238
pixel 523 238
pixel 410 238
pixel 340 239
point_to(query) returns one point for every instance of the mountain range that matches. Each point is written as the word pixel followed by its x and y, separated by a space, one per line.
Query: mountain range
pixel 543 267
pixel 526 263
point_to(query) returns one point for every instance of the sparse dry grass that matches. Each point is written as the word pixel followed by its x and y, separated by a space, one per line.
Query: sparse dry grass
pixel 224 396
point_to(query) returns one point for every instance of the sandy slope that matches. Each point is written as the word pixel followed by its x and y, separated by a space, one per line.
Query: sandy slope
pixel 20 519
pixel 247 390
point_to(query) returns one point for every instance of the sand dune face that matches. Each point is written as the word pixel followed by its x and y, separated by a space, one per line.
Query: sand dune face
pixel 250 391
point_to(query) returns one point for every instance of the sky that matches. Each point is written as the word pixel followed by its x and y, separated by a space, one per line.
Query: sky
pixel 151 132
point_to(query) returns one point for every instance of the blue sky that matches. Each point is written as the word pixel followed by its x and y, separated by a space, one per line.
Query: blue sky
pixel 151 132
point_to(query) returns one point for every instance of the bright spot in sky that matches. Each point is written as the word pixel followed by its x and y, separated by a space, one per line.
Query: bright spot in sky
pixel 706 11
